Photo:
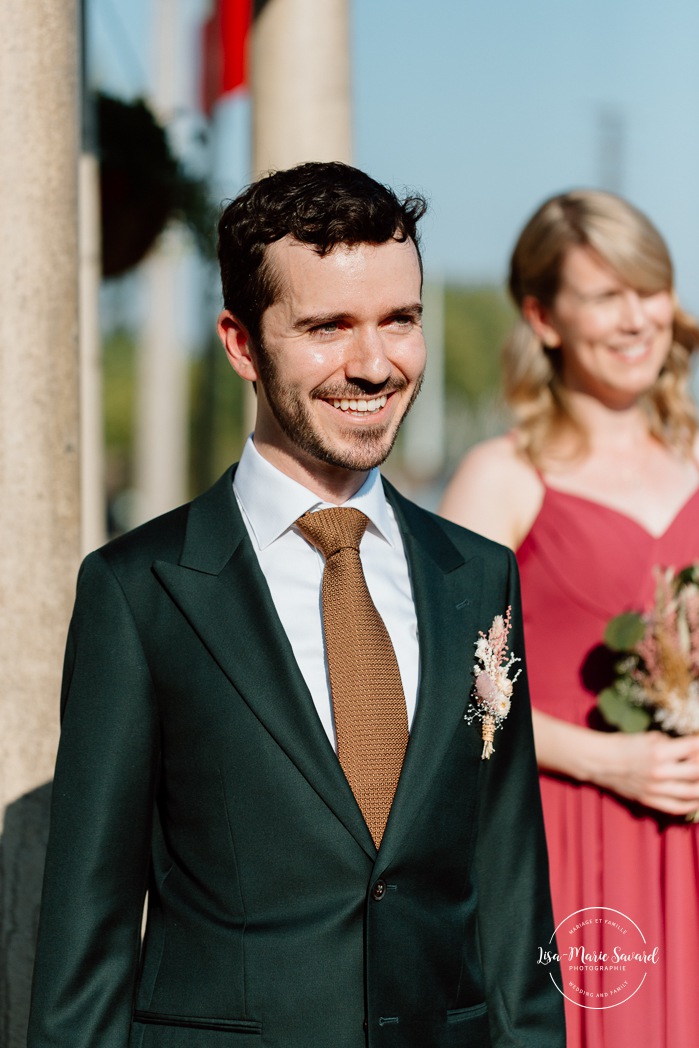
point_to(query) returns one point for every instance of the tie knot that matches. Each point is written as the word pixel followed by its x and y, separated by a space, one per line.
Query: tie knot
pixel 334 529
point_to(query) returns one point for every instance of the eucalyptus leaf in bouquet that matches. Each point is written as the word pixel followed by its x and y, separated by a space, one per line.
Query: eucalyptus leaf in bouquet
pixel 621 710
pixel 625 631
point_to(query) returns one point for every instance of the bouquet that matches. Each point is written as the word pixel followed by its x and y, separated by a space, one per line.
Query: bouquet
pixel 656 681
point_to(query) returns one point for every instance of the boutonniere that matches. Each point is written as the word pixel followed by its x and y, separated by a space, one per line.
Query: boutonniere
pixel 492 688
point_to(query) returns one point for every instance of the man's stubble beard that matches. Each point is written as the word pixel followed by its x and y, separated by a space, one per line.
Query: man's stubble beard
pixel 369 446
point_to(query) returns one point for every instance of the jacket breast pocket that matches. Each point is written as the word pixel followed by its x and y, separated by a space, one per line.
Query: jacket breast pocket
pixel 154 1030
pixel 468 1027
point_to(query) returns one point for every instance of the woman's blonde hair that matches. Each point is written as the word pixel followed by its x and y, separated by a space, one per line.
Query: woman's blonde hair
pixel 631 245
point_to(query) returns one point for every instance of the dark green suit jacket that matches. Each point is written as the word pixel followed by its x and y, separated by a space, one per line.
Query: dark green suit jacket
pixel 193 765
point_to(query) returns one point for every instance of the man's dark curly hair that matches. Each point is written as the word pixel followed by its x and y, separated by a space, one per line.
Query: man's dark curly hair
pixel 323 204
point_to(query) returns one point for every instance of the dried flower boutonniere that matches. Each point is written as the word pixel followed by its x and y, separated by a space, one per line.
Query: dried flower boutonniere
pixel 492 690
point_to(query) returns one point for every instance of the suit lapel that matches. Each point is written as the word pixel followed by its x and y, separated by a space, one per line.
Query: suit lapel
pixel 219 587
pixel 447 591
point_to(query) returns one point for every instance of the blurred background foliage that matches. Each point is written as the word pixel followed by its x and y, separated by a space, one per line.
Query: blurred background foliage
pixel 119 385
pixel 217 416
pixel 476 320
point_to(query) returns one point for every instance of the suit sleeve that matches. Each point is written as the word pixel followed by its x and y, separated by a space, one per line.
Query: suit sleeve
pixel 101 814
pixel 514 917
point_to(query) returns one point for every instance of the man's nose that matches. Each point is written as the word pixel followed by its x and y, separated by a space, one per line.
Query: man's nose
pixel 367 357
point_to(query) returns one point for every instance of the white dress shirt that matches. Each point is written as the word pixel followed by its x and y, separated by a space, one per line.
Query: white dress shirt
pixel 270 503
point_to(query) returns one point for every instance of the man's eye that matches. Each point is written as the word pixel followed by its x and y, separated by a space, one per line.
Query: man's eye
pixel 326 329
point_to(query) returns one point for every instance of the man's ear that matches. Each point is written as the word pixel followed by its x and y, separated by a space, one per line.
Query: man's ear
pixel 538 317
pixel 237 344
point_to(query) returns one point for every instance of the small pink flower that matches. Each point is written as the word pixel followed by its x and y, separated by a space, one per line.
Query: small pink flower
pixel 486 688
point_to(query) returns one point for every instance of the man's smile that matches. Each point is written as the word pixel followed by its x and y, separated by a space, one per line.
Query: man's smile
pixel 361 406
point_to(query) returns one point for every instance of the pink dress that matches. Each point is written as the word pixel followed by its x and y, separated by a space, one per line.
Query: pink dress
pixel 580 564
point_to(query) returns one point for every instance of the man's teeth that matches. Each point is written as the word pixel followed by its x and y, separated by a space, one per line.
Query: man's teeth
pixel 361 405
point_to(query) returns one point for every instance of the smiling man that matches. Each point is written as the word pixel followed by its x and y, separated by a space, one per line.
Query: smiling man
pixel 269 715
pixel 340 358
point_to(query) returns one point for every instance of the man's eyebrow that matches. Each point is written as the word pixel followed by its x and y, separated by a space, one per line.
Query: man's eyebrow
pixel 414 310
pixel 317 320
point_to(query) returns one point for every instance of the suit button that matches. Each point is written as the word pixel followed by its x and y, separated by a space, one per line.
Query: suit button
pixel 379 890
pixel 365 1026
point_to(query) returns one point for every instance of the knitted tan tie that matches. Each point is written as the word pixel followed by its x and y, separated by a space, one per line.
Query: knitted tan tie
pixel 368 701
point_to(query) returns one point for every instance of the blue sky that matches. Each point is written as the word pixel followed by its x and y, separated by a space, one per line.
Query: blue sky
pixel 488 106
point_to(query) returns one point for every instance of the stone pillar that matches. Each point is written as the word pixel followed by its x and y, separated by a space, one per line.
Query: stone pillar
pixel 300 82
pixel 162 409
pixel 39 471
pixel 161 424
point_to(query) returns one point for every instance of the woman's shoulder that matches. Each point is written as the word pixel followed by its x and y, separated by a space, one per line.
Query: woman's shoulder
pixel 494 466
pixel 503 451
pixel 495 491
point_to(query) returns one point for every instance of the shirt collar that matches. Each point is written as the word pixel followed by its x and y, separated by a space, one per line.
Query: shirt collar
pixel 272 501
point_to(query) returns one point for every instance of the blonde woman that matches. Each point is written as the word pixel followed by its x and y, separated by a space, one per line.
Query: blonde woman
pixel 596 485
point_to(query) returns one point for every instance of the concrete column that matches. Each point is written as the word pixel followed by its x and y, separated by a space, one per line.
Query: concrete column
pixel 161 424
pixel 39 425
pixel 300 82
pixel 161 431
